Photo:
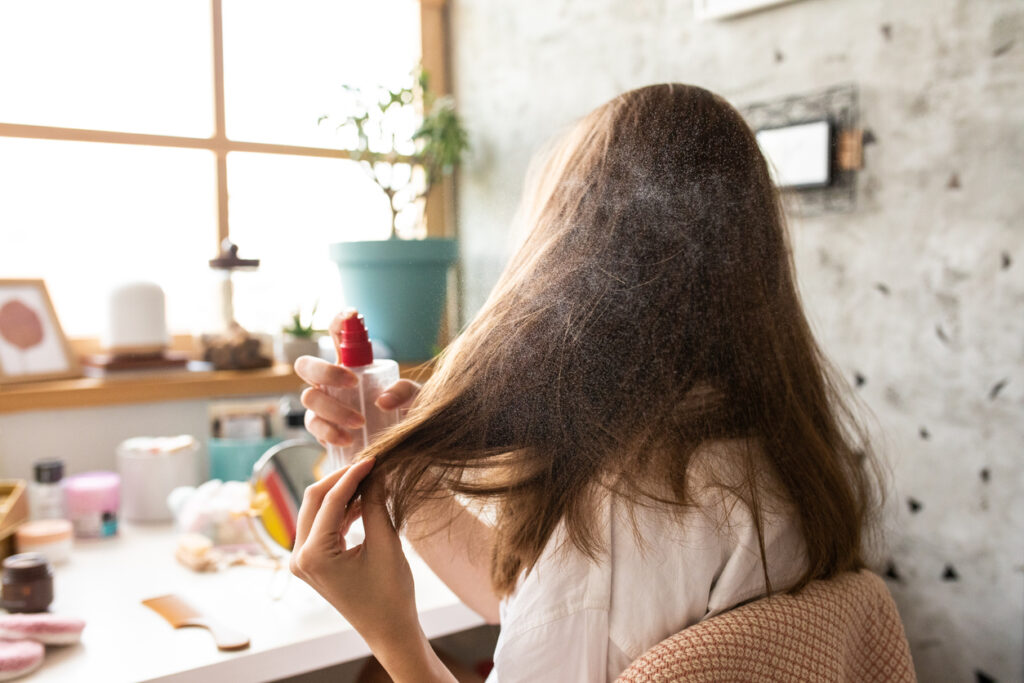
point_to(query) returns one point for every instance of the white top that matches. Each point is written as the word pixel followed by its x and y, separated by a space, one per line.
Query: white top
pixel 571 619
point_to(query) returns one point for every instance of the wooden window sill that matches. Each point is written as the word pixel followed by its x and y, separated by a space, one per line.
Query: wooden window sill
pixel 171 386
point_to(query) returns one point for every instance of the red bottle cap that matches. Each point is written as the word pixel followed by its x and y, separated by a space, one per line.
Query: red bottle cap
pixel 355 349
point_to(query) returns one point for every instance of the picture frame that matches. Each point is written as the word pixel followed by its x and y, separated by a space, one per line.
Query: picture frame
pixel 800 154
pixel 839 104
pixel 33 346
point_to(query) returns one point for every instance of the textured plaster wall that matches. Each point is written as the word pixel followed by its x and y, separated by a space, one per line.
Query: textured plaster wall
pixel 917 295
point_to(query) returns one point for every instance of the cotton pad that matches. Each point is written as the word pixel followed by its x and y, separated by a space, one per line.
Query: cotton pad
pixel 49 629
pixel 18 657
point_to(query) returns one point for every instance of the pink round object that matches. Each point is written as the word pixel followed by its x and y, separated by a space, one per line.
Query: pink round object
pixel 92 491
pixel 50 629
pixel 20 325
pixel 18 657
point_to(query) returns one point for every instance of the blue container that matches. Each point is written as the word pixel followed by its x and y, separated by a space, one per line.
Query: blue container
pixel 232 459
pixel 399 287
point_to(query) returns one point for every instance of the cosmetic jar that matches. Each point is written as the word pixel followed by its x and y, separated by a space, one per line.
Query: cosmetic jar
pixel 150 468
pixel 48 537
pixel 92 500
pixel 27 583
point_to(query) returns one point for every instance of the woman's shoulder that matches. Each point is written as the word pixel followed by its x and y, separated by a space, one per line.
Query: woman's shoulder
pixel 660 567
pixel 673 566
pixel 726 480
pixel 561 583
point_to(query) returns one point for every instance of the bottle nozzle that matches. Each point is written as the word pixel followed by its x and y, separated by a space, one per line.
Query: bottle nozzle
pixel 355 349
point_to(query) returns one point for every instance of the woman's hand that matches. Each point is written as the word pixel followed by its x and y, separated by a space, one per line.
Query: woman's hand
pixel 328 420
pixel 371 584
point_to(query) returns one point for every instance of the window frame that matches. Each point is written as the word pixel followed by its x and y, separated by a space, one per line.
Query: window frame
pixel 439 207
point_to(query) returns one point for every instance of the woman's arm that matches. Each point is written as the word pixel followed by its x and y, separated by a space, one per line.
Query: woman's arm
pixel 452 540
pixel 371 584
pixel 457 546
pixel 411 660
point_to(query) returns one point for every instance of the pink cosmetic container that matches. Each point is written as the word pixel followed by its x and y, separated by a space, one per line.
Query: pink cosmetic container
pixel 92 500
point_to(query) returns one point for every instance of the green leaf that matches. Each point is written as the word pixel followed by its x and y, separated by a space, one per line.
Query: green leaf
pixel 439 142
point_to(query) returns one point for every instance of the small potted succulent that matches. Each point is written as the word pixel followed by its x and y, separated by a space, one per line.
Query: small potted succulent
pixel 399 283
pixel 299 338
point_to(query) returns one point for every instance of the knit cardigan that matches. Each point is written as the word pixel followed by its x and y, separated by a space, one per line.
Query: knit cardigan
pixel 843 629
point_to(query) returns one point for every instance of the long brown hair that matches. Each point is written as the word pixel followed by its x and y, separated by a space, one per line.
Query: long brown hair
pixel 651 309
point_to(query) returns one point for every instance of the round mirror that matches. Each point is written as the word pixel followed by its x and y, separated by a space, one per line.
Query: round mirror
pixel 281 475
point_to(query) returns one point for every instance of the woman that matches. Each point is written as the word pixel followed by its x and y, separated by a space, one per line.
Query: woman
pixel 639 411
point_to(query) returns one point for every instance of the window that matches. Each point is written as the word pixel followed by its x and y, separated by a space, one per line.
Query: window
pixel 113 165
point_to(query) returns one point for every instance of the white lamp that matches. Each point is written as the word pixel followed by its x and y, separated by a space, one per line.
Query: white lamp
pixel 136 320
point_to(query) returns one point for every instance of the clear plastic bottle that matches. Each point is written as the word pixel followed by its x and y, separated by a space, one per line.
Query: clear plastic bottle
pixel 356 354
pixel 46 496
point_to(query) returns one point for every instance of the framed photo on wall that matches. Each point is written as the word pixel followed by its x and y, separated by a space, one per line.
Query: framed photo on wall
pixel 799 154
pixel 32 343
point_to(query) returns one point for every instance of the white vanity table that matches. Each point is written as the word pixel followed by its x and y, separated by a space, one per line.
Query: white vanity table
pixel 124 641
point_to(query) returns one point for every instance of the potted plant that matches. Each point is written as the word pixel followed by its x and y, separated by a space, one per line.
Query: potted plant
pixel 298 338
pixel 399 284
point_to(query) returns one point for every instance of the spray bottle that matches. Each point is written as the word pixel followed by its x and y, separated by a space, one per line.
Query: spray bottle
pixel 356 354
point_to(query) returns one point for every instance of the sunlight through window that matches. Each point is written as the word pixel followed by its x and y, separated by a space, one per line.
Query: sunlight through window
pixel 85 215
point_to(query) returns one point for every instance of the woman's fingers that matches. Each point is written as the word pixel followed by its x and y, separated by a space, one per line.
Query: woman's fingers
pixel 320 373
pixel 325 432
pixel 380 531
pixel 312 499
pixel 354 512
pixel 331 516
pixel 398 395
pixel 331 409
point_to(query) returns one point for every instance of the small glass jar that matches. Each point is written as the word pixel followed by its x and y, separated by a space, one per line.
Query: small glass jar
pixel 27 583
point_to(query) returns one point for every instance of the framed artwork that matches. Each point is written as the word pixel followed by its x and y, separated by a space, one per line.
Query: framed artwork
pixel 32 343
pixel 804 137
pixel 799 155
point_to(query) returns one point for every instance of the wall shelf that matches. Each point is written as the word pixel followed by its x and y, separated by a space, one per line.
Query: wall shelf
pixel 172 386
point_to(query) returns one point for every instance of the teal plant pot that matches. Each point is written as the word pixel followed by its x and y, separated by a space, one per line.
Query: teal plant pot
pixel 399 287
pixel 232 459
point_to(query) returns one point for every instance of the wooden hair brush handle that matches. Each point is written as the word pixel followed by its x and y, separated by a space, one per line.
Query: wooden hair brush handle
pixel 225 637
pixel 179 614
